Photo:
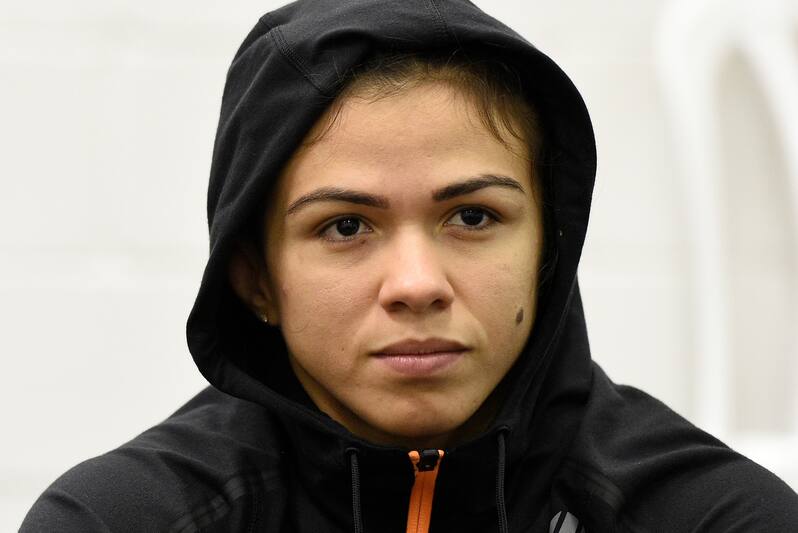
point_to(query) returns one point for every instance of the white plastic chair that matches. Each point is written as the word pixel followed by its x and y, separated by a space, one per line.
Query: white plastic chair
pixel 694 36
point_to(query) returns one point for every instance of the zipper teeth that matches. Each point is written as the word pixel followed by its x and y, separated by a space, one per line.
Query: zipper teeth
pixel 420 510
pixel 420 499
pixel 419 496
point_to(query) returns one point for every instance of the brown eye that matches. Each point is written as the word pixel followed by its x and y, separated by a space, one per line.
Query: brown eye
pixel 343 229
pixel 347 226
pixel 474 218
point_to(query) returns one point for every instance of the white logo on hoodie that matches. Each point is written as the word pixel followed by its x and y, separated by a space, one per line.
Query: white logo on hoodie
pixel 565 522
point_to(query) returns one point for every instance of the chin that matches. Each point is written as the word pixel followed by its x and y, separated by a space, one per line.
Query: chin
pixel 421 430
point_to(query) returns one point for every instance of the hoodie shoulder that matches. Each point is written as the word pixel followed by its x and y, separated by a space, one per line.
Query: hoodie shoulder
pixel 209 461
pixel 636 465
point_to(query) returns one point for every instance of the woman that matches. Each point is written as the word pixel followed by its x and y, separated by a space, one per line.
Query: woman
pixel 390 315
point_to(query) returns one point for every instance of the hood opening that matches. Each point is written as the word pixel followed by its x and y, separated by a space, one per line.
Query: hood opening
pixel 282 79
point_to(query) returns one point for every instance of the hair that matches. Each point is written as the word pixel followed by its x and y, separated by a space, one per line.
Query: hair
pixel 493 86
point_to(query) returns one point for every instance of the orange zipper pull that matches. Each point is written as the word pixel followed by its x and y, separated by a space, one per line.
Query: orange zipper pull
pixel 425 464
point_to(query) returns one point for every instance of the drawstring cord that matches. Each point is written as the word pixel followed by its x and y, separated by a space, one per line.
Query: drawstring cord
pixel 356 511
pixel 501 508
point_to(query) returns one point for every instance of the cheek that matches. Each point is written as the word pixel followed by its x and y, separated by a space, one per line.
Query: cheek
pixel 319 306
pixel 502 296
pixel 507 272
pixel 323 301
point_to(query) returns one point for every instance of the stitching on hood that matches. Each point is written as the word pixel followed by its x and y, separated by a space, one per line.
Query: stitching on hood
pixel 440 24
pixel 289 54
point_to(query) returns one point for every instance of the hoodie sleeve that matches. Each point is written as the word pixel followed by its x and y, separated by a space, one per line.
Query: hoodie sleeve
pixel 746 498
pixel 122 490
pixel 637 466
pixel 58 510
pixel 97 495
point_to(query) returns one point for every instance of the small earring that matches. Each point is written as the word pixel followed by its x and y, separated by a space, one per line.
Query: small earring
pixel 265 318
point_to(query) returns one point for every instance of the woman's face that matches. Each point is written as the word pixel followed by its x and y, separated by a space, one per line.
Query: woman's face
pixel 407 221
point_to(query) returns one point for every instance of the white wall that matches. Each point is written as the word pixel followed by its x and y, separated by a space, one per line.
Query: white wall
pixel 108 113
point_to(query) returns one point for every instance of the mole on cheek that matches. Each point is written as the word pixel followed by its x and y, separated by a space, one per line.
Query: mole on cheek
pixel 519 317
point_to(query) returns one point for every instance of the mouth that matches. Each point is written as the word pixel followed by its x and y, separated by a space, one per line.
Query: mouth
pixel 421 358
pixel 421 347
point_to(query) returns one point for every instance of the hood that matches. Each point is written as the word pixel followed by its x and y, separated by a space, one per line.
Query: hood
pixel 283 77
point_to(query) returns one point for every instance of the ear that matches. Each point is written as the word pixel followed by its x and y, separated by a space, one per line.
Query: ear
pixel 246 272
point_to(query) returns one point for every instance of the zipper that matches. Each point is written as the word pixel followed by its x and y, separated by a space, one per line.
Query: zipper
pixel 425 467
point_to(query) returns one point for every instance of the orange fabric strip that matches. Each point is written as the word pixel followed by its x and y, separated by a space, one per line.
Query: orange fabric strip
pixel 420 509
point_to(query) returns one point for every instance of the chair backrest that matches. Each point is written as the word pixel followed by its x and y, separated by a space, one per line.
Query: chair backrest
pixel 694 38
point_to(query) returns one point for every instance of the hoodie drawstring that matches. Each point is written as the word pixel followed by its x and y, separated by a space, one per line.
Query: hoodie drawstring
pixel 501 508
pixel 356 510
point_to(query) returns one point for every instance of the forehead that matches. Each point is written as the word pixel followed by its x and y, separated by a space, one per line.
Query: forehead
pixel 419 139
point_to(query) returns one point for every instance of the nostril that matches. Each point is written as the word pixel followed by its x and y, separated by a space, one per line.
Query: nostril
pixel 416 294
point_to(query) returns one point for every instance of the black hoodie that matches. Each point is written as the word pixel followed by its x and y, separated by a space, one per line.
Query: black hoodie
pixel 568 451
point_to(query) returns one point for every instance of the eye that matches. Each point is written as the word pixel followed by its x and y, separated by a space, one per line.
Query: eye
pixel 474 218
pixel 343 229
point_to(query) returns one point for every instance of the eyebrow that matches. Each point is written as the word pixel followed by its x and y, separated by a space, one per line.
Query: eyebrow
pixel 453 190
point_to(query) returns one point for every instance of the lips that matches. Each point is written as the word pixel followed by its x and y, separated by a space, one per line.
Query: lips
pixel 421 359
pixel 421 347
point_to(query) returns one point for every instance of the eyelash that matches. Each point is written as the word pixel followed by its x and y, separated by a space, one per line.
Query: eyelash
pixel 492 219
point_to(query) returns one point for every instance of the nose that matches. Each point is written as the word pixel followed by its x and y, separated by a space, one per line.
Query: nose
pixel 414 275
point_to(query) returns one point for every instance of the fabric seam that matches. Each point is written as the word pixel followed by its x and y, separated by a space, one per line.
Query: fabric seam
pixel 223 499
pixel 599 479
pixel 615 499
pixel 88 508
pixel 288 53
pixel 441 26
